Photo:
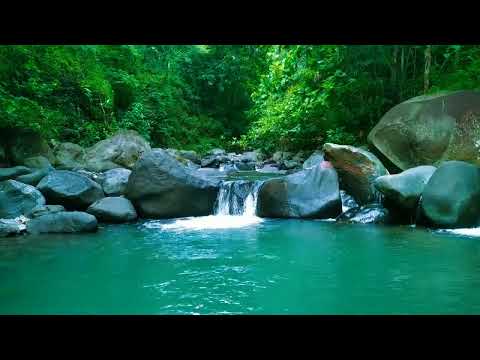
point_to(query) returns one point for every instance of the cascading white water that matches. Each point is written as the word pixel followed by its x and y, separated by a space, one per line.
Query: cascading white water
pixel 237 198
pixel 235 207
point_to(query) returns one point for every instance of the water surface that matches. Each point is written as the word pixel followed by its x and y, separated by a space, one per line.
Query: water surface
pixel 260 267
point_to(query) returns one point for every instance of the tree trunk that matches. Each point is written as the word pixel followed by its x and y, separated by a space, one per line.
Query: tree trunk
pixel 428 62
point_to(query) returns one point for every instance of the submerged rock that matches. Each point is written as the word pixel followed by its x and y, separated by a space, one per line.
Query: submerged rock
pixel 63 222
pixel 70 189
pixel 113 209
pixel 17 199
pixel 307 194
pixel 367 214
pixel 451 198
pixel 429 129
pixel 357 170
pixel 161 187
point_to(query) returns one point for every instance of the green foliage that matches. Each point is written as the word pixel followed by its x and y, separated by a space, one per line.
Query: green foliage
pixel 289 97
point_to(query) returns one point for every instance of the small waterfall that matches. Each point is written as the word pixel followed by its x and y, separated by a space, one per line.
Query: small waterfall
pixel 237 198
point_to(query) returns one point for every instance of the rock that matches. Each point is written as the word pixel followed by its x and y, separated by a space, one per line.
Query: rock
pixel 37 162
pixel 348 202
pixel 281 155
pixel 123 149
pixel 216 152
pixel 427 130
pixel 214 161
pixel 228 168
pixel 290 164
pixel 43 210
pixel 70 189
pixel 63 222
pixel 35 177
pixel 160 187
pixel 313 160
pixel 357 170
pixel 300 156
pixel 115 181
pixel 307 194
pixel 113 209
pixel 69 156
pixel 95 176
pixel 404 189
pixel 17 199
pixel 367 214
pixel 249 156
pixel 245 166
pixel 24 144
pixel 13 172
pixel 451 198
pixel 10 227
pixel 190 155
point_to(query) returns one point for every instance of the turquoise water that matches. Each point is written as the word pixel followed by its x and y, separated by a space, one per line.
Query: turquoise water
pixel 269 267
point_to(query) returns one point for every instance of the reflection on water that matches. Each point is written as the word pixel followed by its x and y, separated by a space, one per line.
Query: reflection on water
pixel 198 266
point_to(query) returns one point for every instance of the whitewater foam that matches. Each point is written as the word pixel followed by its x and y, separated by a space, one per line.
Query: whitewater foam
pixel 206 222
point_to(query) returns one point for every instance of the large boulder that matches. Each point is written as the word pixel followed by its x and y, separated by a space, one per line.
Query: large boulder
pixel 70 189
pixel 404 189
pixel 63 222
pixel 161 187
pixel 451 198
pixel 114 182
pixel 190 155
pixel 113 209
pixel 123 149
pixel 13 172
pixel 69 156
pixel 24 144
pixel 357 170
pixel 17 199
pixel 310 193
pixel 367 214
pixel 427 130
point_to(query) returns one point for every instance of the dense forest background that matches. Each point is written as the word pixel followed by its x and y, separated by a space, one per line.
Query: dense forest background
pixel 279 97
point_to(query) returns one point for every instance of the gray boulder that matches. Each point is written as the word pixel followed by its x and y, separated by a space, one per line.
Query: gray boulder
pixel 43 210
pixel 35 177
pixel 123 149
pixel 451 198
pixel 37 162
pixel 216 152
pixel 63 222
pixel 70 189
pixel 24 144
pixel 113 209
pixel 357 170
pixel 17 199
pixel 404 189
pixel 161 187
pixel 13 172
pixel 430 129
pixel 114 182
pixel 190 155
pixel 307 194
pixel 69 156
